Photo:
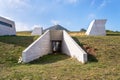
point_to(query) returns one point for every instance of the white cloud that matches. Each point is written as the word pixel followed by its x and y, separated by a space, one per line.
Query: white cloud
pixel 34 26
pixel 13 3
pixel 55 22
pixel 91 16
pixel 22 26
pixel 72 1
pixel 68 1
pixel 103 4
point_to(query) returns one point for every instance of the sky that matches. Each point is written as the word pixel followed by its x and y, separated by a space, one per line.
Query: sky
pixel 71 14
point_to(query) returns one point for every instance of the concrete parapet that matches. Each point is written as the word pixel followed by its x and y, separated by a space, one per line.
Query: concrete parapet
pixel 38 48
pixel 71 48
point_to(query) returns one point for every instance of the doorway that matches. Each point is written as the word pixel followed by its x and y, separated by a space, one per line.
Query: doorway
pixel 56 46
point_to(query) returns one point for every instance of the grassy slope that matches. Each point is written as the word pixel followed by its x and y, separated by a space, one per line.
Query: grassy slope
pixel 104 65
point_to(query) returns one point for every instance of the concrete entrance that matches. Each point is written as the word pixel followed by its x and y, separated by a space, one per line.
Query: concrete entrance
pixel 54 41
pixel 56 46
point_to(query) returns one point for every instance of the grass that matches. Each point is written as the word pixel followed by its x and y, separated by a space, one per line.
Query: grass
pixel 103 65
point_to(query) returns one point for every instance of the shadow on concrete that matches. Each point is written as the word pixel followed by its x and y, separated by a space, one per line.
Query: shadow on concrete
pixel 51 58
pixel 23 41
pixel 91 57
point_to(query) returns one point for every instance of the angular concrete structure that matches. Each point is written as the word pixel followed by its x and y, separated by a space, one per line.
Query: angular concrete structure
pixel 97 28
pixel 71 48
pixel 37 31
pixel 7 27
pixel 53 41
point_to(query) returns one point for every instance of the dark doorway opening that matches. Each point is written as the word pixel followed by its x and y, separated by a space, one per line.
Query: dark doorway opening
pixel 56 46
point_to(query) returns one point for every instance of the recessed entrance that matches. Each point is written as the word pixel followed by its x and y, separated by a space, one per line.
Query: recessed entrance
pixel 56 46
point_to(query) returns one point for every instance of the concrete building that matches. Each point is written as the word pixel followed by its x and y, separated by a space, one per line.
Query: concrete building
pixel 97 28
pixel 37 31
pixel 7 27
pixel 53 41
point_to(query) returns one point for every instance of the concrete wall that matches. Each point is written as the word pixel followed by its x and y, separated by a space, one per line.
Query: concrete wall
pixel 56 34
pixel 97 28
pixel 71 48
pixel 5 30
pixel 40 47
pixel 37 31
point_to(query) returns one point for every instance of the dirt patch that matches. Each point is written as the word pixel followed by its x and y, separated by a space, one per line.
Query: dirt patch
pixel 90 50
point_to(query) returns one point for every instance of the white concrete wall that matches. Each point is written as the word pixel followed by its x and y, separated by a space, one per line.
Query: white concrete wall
pixel 56 34
pixel 37 31
pixel 40 47
pixel 5 30
pixel 97 28
pixel 71 48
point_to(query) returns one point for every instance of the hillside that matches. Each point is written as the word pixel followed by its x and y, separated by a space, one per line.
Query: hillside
pixel 56 27
pixel 103 64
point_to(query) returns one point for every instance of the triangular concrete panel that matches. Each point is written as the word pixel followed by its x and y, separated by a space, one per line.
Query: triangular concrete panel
pixel 42 46
pixel 37 31
pixel 97 28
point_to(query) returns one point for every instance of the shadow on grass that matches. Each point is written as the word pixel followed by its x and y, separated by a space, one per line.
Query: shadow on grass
pixel 77 41
pixel 91 58
pixel 23 41
pixel 114 34
pixel 51 58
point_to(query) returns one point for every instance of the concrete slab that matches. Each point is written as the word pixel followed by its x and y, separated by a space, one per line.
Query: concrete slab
pixel 97 28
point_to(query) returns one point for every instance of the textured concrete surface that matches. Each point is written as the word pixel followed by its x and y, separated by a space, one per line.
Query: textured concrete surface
pixel 38 48
pixel 71 48
pixel 37 31
pixel 42 46
pixel 56 34
pixel 5 30
pixel 97 28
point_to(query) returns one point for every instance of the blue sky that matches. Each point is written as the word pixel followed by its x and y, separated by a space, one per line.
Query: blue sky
pixel 71 14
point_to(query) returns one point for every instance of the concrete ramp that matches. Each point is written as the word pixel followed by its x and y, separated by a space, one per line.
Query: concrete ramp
pixel 44 45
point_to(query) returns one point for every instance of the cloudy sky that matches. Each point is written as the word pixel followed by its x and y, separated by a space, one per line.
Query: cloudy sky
pixel 72 14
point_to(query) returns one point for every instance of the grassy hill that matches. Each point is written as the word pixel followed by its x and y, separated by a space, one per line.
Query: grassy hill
pixel 103 64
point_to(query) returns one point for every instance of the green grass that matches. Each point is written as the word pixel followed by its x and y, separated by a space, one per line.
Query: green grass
pixel 104 65
pixel 113 33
